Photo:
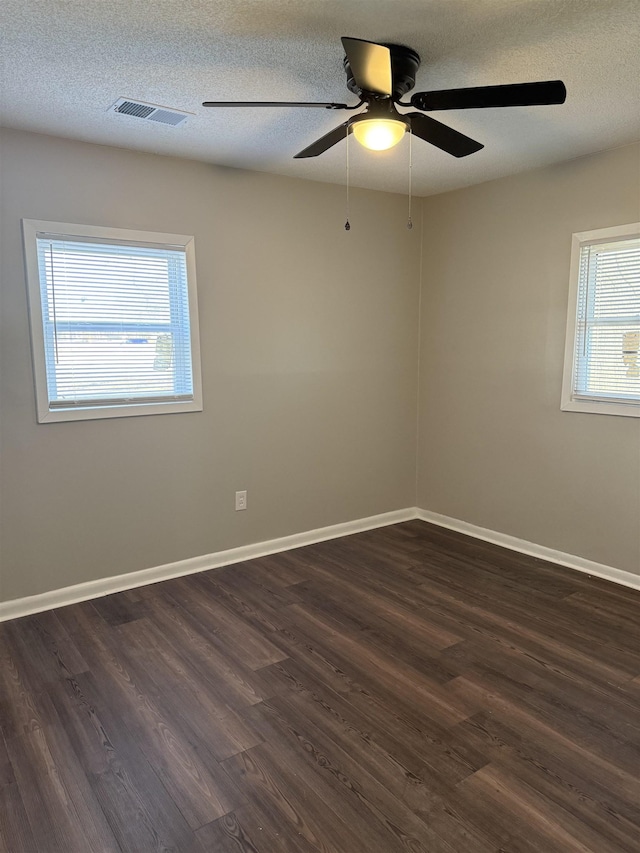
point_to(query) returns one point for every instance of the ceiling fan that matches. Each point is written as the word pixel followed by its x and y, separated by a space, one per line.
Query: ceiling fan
pixel 380 74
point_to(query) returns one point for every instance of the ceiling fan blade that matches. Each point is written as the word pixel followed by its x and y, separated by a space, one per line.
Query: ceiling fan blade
pixel 512 95
pixel 370 65
pixel 325 142
pixel 326 106
pixel 443 137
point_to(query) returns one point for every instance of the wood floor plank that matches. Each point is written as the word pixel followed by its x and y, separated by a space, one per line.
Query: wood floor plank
pixel 331 717
pixel 138 807
pixel 191 775
pixel 398 824
pixel 23 700
pixel 367 610
pixel 44 639
pixel 264 828
pixel 183 694
pixel 121 607
pixel 197 641
pixel 351 826
pixel 229 834
pixel 421 753
pixel 61 808
pixel 250 602
pixel 554 826
pixel 402 690
pixel 283 808
pixel 518 673
pixel 587 782
pixel 240 639
pixel 398 676
pixel 136 821
pixel 623 784
pixel 15 830
pixel 522 624
pixel 256 577
pixel 613 821
pixel 306 808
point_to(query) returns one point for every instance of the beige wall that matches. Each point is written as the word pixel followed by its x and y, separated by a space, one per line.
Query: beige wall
pixel 494 448
pixel 309 356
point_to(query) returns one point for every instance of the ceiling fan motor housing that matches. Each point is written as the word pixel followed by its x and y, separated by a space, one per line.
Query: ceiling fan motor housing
pixel 404 66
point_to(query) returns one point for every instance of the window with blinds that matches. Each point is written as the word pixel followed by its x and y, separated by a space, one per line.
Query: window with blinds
pixel 602 370
pixel 114 325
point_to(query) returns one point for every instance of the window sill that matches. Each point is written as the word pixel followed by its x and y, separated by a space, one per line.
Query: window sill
pixel 132 410
pixel 598 407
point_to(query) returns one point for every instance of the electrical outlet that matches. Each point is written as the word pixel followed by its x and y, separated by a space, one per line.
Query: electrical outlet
pixel 241 500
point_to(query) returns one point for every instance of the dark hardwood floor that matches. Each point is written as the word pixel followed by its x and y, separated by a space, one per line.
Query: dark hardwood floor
pixel 404 689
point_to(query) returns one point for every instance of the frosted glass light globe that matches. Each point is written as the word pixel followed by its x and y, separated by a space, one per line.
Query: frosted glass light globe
pixel 379 134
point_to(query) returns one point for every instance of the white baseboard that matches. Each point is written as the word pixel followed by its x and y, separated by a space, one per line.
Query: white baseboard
pixel 541 551
pixel 105 586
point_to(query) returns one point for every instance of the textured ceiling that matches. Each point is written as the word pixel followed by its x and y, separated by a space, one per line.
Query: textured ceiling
pixel 65 62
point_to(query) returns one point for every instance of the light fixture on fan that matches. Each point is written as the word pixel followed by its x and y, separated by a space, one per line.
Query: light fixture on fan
pixel 379 134
pixel 380 127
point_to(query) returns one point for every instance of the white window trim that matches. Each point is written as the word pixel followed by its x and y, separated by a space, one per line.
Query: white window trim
pixel 569 403
pixel 30 229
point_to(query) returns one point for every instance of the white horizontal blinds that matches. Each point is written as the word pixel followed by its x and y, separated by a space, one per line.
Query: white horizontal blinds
pixel 607 356
pixel 116 322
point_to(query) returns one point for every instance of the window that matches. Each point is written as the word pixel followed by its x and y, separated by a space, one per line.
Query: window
pixel 114 324
pixel 602 357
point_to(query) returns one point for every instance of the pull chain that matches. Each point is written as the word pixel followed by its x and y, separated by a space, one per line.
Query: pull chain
pixel 409 222
pixel 347 224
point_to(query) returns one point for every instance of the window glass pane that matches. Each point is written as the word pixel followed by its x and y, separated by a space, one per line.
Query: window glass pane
pixel 617 279
pixel 608 322
pixel 113 364
pixel 116 322
pixel 613 362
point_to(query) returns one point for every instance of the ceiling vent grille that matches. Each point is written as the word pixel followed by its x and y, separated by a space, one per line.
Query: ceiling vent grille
pixel 149 112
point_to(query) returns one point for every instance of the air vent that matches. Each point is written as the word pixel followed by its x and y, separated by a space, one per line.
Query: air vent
pixel 149 112
pixel 167 117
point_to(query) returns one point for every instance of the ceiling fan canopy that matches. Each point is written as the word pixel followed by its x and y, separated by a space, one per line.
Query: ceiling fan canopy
pixel 380 75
